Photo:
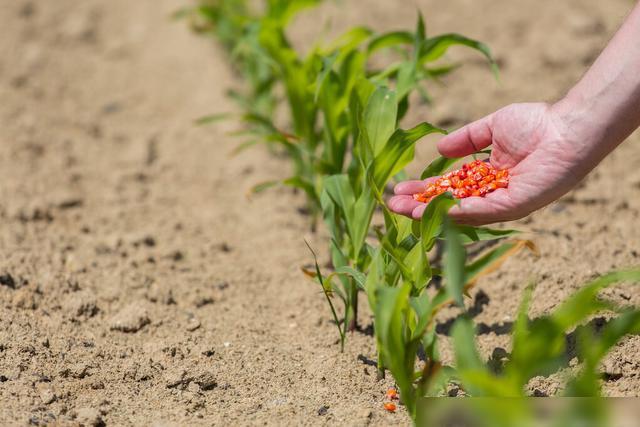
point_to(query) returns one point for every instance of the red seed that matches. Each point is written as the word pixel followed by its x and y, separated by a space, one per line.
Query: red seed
pixel 392 394
pixel 461 193
pixel 476 178
pixel 391 407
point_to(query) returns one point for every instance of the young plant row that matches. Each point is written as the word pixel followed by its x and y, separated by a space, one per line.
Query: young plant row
pixel 346 147
pixel 542 347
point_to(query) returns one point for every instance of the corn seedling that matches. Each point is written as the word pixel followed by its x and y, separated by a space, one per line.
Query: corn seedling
pixel 345 145
pixel 236 27
pixel 319 87
pixel 540 347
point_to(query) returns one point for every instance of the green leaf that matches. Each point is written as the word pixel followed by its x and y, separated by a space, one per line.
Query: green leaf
pixel 521 325
pixel 467 356
pixel 258 188
pixel 339 259
pixel 433 48
pixel 454 263
pixel 433 218
pixel 398 152
pixel 407 79
pixel 388 40
pixel 389 314
pixel 326 294
pixel 334 104
pixel 350 39
pixel 593 346
pixel 212 118
pixel 339 189
pixel 492 260
pixel 304 185
pixel 437 72
pixel 476 378
pixel 584 302
pixel 380 118
pixel 328 207
pixel 421 31
pixel 470 234
pixel 481 383
pixel 627 323
pixel 282 11
pixel 362 214
pixel 397 253
pixel 438 167
pixel 327 66
pixel 416 260
pixel 358 276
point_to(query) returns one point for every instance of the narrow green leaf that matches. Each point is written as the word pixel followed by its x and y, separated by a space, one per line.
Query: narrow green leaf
pixel 454 263
pixel 380 118
pixel 407 79
pixel 421 31
pixel 327 296
pixel 470 234
pixel 438 167
pixel 433 218
pixel 212 118
pixel 433 48
pixel 358 276
pixel 388 40
pixel 350 39
pixel 258 188
pixel 339 189
pixel 362 213
pixel 584 302
pixel 398 152
pixel 467 357
pixel 304 185
pixel 491 260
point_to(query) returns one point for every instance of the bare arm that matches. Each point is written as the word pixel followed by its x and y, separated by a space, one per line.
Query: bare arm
pixel 548 148
pixel 604 107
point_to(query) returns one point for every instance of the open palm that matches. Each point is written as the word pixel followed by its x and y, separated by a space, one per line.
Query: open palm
pixel 528 139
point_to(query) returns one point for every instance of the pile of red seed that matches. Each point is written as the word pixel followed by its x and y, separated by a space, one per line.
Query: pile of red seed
pixel 477 178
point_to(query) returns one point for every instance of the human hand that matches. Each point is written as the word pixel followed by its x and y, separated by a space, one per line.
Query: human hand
pixel 544 157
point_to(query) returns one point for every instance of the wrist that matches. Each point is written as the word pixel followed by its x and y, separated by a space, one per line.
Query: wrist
pixel 582 125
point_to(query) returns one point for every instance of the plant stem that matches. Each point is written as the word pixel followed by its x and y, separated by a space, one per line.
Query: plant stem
pixel 352 312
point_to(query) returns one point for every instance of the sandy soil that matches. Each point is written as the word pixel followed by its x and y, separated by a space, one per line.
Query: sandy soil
pixel 139 286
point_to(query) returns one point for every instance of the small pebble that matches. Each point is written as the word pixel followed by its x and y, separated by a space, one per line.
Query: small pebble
pixel 130 319
pixel 193 324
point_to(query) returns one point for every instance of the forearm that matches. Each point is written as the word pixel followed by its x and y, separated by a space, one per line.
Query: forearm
pixel 603 109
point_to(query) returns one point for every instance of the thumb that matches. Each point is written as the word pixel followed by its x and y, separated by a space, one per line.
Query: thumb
pixel 467 140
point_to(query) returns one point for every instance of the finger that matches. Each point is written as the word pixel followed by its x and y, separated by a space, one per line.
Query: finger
pixel 495 207
pixel 403 205
pixel 412 187
pixel 418 211
pixel 467 140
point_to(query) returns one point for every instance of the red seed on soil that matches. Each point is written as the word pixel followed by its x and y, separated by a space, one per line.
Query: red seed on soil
pixel 391 407
pixel 392 394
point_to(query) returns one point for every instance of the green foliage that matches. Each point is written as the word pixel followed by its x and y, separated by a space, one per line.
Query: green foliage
pixel 540 345
pixel 326 90
pixel 346 147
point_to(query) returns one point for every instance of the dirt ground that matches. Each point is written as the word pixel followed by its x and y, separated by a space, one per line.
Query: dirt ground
pixel 138 284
